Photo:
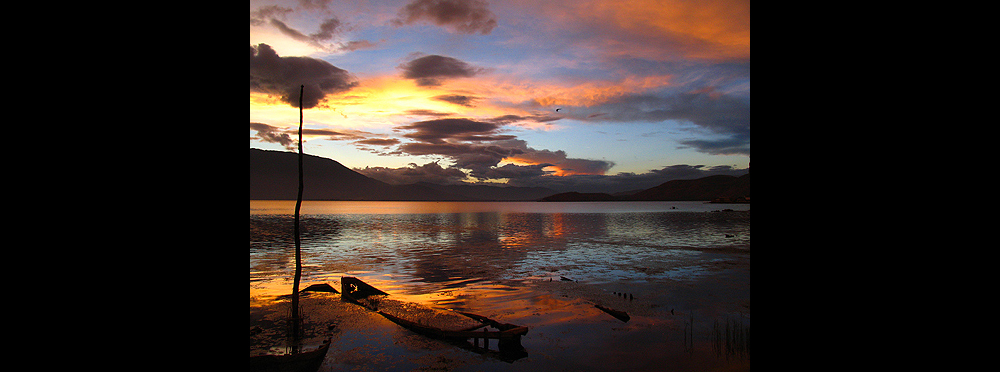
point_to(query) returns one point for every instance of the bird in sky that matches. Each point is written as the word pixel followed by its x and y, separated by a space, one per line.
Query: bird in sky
pixel 557 110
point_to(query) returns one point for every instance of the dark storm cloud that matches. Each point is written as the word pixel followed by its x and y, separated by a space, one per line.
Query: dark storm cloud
pixel 477 146
pixel 721 115
pixel 441 130
pixel 319 39
pixel 327 29
pixel 379 141
pixel 430 172
pixel 432 70
pixel 473 145
pixel 460 100
pixel 272 134
pixel 584 166
pixel 434 173
pixel 481 160
pixel 461 16
pixel 290 32
pixel 335 135
pixel 511 119
pixel 431 113
pixel 737 144
pixel 267 133
pixel 282 76
pixel 478 158
pixel 561 164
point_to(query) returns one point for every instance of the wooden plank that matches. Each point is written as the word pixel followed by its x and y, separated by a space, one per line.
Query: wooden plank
pixel 358 289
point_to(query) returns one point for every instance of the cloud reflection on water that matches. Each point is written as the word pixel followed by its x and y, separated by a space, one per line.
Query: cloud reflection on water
pixel 432 247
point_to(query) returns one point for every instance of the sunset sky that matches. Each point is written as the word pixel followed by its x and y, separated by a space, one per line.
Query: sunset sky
pixel 462 90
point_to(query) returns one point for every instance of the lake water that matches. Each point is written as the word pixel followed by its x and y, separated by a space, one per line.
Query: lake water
pixel 509 258
pixel 441 243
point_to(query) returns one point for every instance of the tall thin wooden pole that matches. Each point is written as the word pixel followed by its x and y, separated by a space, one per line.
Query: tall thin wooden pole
pixel 298 243
pixel 298 201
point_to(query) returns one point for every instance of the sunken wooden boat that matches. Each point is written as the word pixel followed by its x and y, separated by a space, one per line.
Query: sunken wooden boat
pixel 302 362
pixel 508 335
pixel 621 315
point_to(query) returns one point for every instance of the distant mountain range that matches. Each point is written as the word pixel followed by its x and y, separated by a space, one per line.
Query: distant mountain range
pixel 707 188
pixel 485 192
pixel 274 176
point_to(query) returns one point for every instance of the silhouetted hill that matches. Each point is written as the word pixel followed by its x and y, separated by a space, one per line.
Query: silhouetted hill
pixel 492 193
pixel 580 196
pixel 707 188
pixel 274 175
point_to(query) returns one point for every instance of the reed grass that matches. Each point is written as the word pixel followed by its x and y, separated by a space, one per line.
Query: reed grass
pixel 731 338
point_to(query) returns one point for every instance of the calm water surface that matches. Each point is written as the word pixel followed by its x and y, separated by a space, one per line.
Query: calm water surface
pixel 507 259
pixel 437 244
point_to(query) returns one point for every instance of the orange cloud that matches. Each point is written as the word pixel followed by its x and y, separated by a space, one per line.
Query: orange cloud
pixel 659 29
pixel 573 167
pixel 558 163
pixel 590 93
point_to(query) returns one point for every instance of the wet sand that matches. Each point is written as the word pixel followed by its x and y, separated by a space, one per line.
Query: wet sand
pixel 676 323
